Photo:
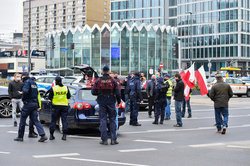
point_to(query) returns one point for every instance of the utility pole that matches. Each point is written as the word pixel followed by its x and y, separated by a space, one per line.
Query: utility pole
pixel 29 39
pixel 191 38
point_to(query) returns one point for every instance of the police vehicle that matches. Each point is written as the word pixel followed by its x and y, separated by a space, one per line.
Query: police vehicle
pixel 83 112
pixel 44 83
pixel 238 86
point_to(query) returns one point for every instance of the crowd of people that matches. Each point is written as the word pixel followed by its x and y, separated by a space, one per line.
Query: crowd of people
pixel 23 92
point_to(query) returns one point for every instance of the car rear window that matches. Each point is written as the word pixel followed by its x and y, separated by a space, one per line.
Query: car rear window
pixel 86 95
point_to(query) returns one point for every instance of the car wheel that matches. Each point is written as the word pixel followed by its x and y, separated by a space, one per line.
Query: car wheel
pixel 5 108
pixel 248 93
pixel 239 95
pixel 42 93
pixel 60 125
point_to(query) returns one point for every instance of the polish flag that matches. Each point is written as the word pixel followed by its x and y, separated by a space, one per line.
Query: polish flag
pixel 188 77
pixel 202 81
pixel 186 92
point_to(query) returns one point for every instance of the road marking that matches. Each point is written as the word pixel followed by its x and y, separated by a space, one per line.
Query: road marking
pixel 180 130
pixel 83 137
pixel 4 152
pixel 102 161
pixel 151 141
pixel 206 145
pixel 240 147
pixel 16 132
pixel 137 150
pixel 56 155
pixel 6 125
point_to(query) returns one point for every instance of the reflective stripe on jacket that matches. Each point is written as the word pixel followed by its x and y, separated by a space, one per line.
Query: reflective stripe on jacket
pixel 60 95
pixel 170 88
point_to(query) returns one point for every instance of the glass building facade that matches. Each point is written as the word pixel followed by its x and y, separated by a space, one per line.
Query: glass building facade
pixel 163 12
pixel 216 31
pixel 124 49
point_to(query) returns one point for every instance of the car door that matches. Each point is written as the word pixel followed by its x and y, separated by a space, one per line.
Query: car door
pixel 240 87
pixel 45 113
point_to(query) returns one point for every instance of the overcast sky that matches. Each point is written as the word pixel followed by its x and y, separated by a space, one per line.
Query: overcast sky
pixel 11 16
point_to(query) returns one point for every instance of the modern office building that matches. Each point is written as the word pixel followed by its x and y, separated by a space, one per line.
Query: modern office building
pixel 125 49
pixel 163 12
pixel 216 31
pixel 51 15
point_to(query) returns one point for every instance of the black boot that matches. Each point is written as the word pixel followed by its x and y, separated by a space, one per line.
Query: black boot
pixel 104 142
pixel 43 138
pixel 15 124
pixel 32 135
pixel 155 122
pixel 64 137
pixel 51 137
pixel 18 139
pixel 114 142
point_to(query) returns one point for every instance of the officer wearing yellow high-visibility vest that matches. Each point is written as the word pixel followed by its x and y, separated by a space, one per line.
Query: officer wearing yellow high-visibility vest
pixel 169 96
pixel 59 96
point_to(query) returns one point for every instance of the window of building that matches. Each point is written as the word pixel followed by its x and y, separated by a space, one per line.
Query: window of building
pixel 105 10
pixel 105 3
pixel 10 66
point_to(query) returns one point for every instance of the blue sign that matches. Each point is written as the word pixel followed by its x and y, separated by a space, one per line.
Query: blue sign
pixel 64 49
pixel 115 53
pixel 23 68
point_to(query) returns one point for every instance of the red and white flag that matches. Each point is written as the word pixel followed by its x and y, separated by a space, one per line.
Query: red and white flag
pixel 202 81
pixel 186 92
pixel 190 77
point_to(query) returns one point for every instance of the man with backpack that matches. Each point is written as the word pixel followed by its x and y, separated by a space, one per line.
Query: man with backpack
pixel 160 100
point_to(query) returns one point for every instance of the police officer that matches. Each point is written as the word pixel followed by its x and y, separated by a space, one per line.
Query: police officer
pixel 160 100
pixel 134 88
pixel 107 90
pixel 32 104
pixel 59 96
pixel 169 86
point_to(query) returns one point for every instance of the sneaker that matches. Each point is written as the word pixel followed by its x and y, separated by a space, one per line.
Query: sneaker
pixel 177 125
pixel 189 116
pixel 104 142
pixel 218 131
pixel 32 135
pixel 15 124
pixel 161 122
pixel 224 130
pixel 43 138
pixel 64 137
pixel 18 139
pixel 114 142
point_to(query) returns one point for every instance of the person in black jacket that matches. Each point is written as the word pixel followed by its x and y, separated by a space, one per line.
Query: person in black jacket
pixel 15 93
pixel 151 95
pixel 178 97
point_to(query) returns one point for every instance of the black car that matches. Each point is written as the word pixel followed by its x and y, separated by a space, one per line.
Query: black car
pixel 83 112
pixel 5 103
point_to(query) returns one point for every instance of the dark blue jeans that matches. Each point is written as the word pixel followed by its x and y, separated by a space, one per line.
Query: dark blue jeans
pixel 186 102
pixel 178 106
pixel 168 108
pixel 30 110
pixel 57 112
pixel 160 109
pixel 221 122
pixel 107 111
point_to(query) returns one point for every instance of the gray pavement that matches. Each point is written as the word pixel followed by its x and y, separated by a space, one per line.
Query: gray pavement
pixel 149 145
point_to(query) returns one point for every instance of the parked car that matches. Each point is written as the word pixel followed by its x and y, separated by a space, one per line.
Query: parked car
pixel 44 83
pixel 83 112
pixel 5 103
pixel 246 80
pixel 239 88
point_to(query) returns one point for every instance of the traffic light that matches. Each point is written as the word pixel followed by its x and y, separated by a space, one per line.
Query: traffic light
pixel 72 46
pixel 32 66
pixel 53 45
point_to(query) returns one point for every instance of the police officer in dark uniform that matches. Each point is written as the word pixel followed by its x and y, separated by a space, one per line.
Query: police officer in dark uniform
pixel 134 88
pixel 59 96
pixel 160 100
pixel 107 90
pixel 32 104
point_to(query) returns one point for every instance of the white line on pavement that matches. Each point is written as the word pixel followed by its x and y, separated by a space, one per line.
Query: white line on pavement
pixel 82 137
pixel 15 132
pixel 152 141
pixel 206 145
pixel 6 125
pixel 180 130
pixel 56 155
pixel 240 147
pixel 137 150
pixel 4 152
pixel 102 161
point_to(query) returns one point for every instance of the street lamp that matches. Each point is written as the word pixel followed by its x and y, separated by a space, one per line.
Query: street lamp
pixel 191 36
pixel 29 39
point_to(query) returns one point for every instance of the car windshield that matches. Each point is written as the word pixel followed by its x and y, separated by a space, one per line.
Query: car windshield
pixel 85 95
pixel 68 80
pixel 210 80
